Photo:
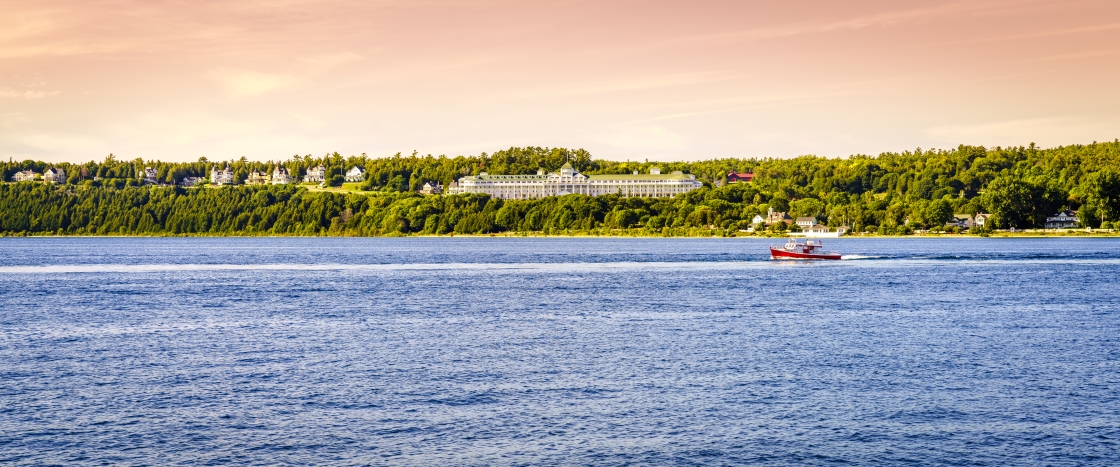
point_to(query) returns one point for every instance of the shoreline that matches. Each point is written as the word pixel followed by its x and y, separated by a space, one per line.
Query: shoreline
pixel 1079 234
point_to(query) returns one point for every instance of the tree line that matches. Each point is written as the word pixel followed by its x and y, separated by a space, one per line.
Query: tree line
pixel 892 193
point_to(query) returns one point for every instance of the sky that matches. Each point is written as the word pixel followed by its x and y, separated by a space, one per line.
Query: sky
pixel 626 80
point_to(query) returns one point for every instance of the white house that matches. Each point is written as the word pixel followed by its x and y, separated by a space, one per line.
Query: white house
pixel 149 175
pixel 569 181
pixel 54 175
pixel 258 177
pixel 355 174
pixel 431 188
pixel 281 176
pixel 966 221
pixel 24 176
pixel 191 181
pixel 806 222
pixel 816 229
pixel 774 217
pixel 221 177
pixel 315 175
pixel 757 219
pixel 963 221
pixel 1062 220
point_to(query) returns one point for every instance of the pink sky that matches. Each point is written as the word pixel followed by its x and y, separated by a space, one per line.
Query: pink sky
pixel 177 80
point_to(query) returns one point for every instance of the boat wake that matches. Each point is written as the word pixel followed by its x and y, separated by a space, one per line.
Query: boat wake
pixel 545 267
pixel 558 267
pixel 859 257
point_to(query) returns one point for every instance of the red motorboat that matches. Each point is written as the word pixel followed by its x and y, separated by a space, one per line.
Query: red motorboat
pixel 811 249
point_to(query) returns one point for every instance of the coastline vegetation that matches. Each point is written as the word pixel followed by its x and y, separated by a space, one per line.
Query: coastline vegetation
pixel 888 194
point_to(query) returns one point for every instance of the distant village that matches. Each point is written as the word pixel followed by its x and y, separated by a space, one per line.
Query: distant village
pixel 225 177
pixel 567 181
pixel 810 226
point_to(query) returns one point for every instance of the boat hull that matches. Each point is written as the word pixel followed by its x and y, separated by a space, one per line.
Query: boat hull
pixel 778 253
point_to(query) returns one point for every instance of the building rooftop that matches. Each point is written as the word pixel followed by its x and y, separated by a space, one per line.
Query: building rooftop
pixel 485 176
pixel 640 177
pixel 545 176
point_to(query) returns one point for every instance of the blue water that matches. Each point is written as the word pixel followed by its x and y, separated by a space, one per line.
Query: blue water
pixel 497 351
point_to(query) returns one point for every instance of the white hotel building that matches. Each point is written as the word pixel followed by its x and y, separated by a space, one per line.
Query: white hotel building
pixel 568 181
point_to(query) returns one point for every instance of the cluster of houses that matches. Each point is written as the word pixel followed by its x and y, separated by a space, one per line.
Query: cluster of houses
pixel 966 221
pixel 281 176
pixel 809 225
pixel 1066 219
pixel 224 176
pixel 52 175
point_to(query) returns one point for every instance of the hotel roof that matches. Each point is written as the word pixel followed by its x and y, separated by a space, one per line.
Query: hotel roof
pixel 640 177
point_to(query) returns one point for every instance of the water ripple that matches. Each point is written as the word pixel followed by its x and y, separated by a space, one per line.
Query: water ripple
pixel 557 351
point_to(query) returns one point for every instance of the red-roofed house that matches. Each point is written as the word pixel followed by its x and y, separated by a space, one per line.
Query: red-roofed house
pixel 733 177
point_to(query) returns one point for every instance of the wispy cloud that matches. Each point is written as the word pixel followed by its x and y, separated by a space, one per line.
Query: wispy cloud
pixel 250 83
pixel 644 137
pixel 1044 130
pixel 829 24
pixel 13 118
pixel 674 116
pixel 620 84
pixel 1077 55
pixel 324 62
pixel 981 129
pixel 60 143
pixel 1046 33
pixel 241 82
pixel 26 94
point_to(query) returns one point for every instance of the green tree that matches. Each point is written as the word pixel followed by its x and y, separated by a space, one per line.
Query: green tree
pixel 1101 191
pixel 1021 185
pixel 938 212
pixel 806 207
pixel 1011 201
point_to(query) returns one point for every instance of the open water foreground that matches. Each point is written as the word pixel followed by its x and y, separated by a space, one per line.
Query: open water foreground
pixel 505 351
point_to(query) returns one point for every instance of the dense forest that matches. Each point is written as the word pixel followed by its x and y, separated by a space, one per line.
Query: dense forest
pixel 893 193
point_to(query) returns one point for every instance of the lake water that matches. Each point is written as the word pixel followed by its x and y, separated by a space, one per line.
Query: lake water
pixel 504 351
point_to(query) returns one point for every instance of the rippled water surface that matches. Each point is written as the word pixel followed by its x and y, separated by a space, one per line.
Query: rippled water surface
pixel 497 351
